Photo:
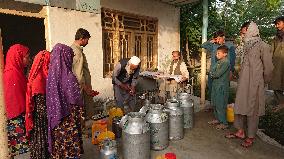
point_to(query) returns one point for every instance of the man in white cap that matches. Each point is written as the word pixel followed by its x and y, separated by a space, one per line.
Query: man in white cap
pixel 124 80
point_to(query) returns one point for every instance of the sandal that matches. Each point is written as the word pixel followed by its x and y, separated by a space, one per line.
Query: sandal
pixel 221 127
pixel 213 122
pixel 248 142
pixel 236 135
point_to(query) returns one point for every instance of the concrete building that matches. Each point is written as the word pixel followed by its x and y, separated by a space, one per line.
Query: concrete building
pixel 119 28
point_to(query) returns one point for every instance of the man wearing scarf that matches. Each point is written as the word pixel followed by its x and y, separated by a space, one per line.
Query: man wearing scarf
pixel 277 82
pixel 256 69
pixel 240 48
pixel 81 70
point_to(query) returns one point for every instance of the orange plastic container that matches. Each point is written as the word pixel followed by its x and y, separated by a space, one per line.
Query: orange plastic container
pixel 113 112
pixel 230 113
pixel 98 127
pixel 105 135
pixel 160 157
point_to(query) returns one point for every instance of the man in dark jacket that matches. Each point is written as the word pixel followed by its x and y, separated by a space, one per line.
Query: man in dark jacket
pixel 124 80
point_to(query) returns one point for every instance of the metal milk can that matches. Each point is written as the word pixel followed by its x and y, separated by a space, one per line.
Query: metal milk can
pixel 135 136
pixel 145 108
pixel 116 129
pixel 159 127
pixel 188 109
pixel 176 131
pixel 183 96
pixel 109 149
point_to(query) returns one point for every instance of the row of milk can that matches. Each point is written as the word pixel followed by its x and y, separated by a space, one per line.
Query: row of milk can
pixel 153 126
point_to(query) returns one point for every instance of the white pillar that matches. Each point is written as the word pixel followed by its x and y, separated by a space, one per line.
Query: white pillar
pixel 4 150
pixel 203 55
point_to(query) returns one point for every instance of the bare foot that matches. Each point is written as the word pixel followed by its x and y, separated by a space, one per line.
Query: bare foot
pixel 278 108
pixel 208 110
pixel 221 127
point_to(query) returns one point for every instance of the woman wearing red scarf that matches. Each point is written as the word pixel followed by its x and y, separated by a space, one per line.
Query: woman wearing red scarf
pixel 15 84
pixel 36 115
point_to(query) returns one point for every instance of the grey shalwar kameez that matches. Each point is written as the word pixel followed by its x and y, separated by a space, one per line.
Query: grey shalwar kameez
pixel 255 71
pixel 277 81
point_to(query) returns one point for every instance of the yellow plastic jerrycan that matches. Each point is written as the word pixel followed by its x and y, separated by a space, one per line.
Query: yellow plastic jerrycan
pixel 106 135
pixel 113 112
pixel 230 113
pixel 98 127
pixel 160 157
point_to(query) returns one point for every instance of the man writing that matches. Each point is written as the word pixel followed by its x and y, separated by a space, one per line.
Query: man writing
pixel 177 67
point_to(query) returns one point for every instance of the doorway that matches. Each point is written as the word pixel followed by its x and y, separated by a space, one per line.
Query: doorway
pixel 28 31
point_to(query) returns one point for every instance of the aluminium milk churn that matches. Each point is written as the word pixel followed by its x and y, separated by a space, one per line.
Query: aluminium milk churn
pixel 159 127
pixel 188 109
pixel 135 136
pixel 116 129
pixel 108 150
pixel 175 112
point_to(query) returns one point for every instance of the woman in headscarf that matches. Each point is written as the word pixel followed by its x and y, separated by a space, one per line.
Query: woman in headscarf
pixel 256 69
pixel 36 115
pixel 64 105
pixel 15 84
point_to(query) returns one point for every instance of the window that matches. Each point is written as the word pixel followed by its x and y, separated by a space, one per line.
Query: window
pixel 125 35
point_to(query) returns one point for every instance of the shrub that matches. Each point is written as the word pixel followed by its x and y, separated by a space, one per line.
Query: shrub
pixel 273 124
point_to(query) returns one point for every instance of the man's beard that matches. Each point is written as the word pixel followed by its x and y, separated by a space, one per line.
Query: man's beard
pixel 280 35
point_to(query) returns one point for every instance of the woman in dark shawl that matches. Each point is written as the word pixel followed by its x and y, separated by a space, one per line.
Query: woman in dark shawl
pixel 64 105
pixel 36 115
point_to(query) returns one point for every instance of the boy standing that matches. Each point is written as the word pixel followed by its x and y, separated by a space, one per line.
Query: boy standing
pixel 220 87
pixel 212 45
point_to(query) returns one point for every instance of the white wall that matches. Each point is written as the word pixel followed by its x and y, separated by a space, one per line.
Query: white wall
pixel 62 25
pixel 168 22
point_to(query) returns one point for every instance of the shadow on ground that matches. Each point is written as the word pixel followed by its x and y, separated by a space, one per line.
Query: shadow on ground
pixel 205 142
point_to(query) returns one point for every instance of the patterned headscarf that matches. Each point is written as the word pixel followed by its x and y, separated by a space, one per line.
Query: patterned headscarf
pixel 15 82
pixel 36 84
pixel 251 37
pixel 62 88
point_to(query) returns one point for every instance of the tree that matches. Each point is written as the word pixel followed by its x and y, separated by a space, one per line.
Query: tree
pixel 227 15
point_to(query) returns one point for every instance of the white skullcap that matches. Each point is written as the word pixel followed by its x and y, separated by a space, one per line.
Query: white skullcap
pixel 134 60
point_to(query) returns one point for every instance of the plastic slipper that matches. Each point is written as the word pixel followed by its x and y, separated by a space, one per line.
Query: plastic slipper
pixel 248 142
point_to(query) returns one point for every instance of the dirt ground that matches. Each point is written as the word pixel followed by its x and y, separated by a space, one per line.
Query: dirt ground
pixel 202 142
pixel 205 142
